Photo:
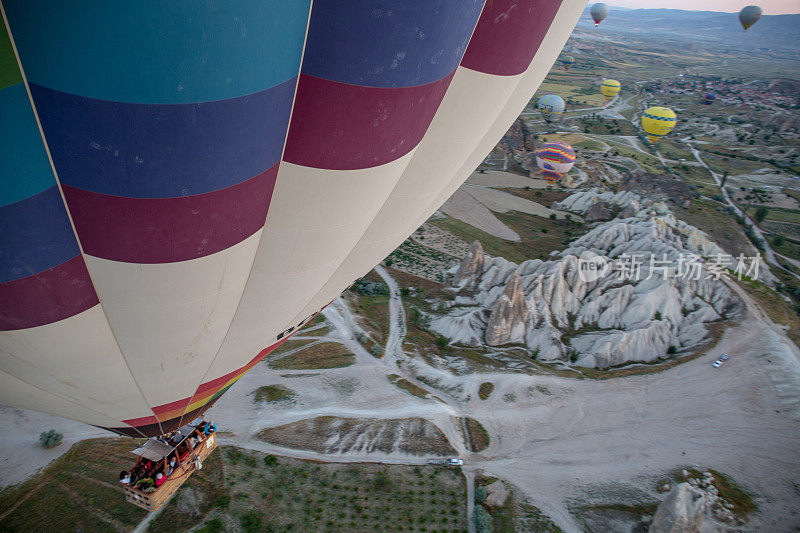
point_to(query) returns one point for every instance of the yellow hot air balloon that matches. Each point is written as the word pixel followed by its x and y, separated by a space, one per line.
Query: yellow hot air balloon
pixel 658 121
pixel 609 88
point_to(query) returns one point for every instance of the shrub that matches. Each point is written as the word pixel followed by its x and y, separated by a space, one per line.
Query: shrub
pixel 482 520
pixel 779 240
pixel 657 315
pixel 442 343
pixel 382 482
pixel 419 319
pixel 50 438
pixel 212 526
pixel 761 213
pixel 251 522
pixel 480 494
pixel 222 500
pixel 376 350
pixel 270 460
pixel 361 338
pixel 672 350
pixel 485 390
pixel 371 288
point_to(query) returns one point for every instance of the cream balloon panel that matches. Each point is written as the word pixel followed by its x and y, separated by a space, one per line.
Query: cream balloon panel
pixel 12 389
pixel 87 369
pixel 170 319
pixel 303 244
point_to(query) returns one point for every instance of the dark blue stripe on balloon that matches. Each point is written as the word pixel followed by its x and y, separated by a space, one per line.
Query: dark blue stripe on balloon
pixel 35 235
pixel 388 43
pixel 163 151
pixel 156 51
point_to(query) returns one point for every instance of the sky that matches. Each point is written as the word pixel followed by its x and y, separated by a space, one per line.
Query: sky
pixel 770 7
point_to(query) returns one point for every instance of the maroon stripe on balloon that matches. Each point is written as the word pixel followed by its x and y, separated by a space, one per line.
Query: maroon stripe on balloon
pixel 508 35
pixel 166 230
pixel 55 294
pixel 338 126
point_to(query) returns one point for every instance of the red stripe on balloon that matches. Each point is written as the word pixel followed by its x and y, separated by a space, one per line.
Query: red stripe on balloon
pixel 55 294
pixel 508 35
pixel 338 126
pixel 166 230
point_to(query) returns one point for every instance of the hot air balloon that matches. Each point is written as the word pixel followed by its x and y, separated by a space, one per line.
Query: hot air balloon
pixel 709 98
pixel 609 88
pixel 567 61
pixel 749 15
pixel 221 171
pixel 550 105
pixel 599 11
pixel 658 121
pixel 555 159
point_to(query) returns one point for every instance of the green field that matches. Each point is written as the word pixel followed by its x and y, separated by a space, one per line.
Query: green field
pixel 78 491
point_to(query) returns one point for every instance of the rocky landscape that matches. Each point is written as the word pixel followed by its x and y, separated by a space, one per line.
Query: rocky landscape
pixel 652 297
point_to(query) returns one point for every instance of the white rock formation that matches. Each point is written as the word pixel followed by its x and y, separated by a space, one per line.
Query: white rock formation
pixel 639 311
pixel 686 509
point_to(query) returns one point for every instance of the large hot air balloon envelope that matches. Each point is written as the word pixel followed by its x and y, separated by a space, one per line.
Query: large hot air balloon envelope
pixel 709 98
pixel 749 15
pixel 567 61
pixel 551 105
pixel 555 159
pixel 599 11
pixel 221 171
pixel 609 88
pixel 658 121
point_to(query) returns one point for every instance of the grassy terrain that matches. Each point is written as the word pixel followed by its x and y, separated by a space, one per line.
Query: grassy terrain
pixel 728 489
pixel 273 394
pixel 258 492
pixel 322 355
pixel 517 513
pixel 584 96
pixel 777 214
pixel 408 386
pixel 539 236
pixel 672 149
pixel 478 436
pixel 290 345
pixel 78 491
pixel 485 390
pixel 540 196
pixel 778 310
pixel 719 225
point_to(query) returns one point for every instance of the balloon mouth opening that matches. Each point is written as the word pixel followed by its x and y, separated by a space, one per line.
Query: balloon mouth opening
pixel 596 24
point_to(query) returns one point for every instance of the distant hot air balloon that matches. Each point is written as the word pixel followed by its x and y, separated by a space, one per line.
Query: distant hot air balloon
pixel 749 15
pixel 709 98
pixel 599 11
pixel 658 121
pixel 549 105
pixel 567 61
pixel 143 277
pixel 609 88
pixel 555 159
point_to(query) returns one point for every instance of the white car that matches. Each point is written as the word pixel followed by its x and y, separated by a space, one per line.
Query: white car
pixel 455 462
pixel 717 363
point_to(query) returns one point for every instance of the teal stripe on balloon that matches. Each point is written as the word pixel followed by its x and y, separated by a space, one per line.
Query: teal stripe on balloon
pixel 159 51
pixel 24 167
